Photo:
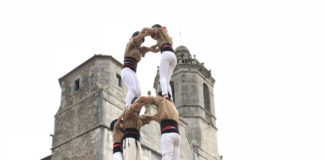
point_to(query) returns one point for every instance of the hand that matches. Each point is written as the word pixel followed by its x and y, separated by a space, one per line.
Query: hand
pixel 154 48
pixel 119 125
pixel 145 119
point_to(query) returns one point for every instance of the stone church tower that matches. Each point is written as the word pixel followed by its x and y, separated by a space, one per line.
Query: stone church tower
pixel 90 100
pixel 93 94
pixel 192 86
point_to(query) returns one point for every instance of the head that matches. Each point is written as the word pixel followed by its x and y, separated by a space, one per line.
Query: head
pixel 136 34
pixel 160 94
pixel 155 26
pixel 112 124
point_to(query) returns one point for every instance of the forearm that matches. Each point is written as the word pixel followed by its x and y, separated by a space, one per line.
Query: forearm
pixel 150 31
pixel 120 117
pixel 145 121
pixel 137 106
pixel 154 117
pixel 155 48
pixel 143 99
pixel 144 50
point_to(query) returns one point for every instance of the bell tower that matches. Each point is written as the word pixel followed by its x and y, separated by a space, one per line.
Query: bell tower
pixel 193 93
pixel 91 97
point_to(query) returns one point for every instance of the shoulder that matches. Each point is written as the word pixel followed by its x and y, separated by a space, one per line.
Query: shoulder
pixel 158 100
pixel 126 110
pixel 131 41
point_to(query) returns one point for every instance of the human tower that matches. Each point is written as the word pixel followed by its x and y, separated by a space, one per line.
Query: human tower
pixel 126 129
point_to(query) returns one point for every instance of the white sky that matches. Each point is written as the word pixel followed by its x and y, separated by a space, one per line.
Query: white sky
pixel 266 57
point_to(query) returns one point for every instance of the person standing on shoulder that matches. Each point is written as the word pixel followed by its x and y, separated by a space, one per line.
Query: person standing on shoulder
pixel 168 58
pixel 132 56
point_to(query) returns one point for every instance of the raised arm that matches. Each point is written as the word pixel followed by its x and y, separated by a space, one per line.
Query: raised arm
pixel 155 48
pixel 140 36
pixel 149 117
pixel 145 119
pixel 120 117
pixel 150 31
pixel 144 50
pixel 139 103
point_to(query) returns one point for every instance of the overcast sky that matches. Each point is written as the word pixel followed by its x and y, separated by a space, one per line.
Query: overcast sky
pixel 266 57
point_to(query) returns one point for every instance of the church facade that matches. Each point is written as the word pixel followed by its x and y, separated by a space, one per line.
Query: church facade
pixel 93 94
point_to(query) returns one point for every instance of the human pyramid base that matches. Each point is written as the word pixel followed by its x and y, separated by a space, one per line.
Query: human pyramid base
pixel 126 129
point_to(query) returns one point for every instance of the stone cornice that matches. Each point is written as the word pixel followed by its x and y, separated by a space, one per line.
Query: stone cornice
pixel 88 61
pixel 199 107
pixel 88 96
pixel 199 69
pixel 75 104
pixel 81 134
pixel 199 117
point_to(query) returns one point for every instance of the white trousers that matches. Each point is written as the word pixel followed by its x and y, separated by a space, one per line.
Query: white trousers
pixel 167 65
pixel 170 146
pixel 130 79
pixel 131 149
pixel 118 156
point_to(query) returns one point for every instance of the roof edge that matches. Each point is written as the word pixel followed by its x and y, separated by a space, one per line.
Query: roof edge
pixel 86 62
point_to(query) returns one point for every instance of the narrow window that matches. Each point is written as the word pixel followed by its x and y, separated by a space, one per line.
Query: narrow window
pixel 76 84
pixel 206 101
pixel 119 82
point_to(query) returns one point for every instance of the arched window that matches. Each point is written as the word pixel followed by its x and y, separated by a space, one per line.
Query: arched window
pixel 172 87
pixel 206 98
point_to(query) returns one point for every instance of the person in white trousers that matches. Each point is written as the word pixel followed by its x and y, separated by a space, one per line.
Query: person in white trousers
pixel 167 64
pixel 132 123
pixel 168 117
pixel 133 53
pixel 168 58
